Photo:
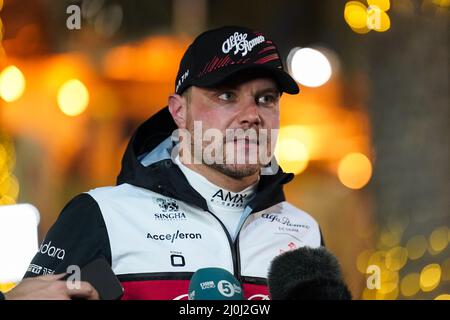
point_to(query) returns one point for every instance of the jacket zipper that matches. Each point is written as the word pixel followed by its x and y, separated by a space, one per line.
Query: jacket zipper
pixel 234 254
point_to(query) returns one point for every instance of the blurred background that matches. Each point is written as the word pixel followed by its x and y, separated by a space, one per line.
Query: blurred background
pixel 367 137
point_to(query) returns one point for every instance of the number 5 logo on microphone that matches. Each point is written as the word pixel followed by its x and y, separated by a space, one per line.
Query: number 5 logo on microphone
pixel 225 288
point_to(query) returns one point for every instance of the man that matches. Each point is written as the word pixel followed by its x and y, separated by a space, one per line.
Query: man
pixel 182 201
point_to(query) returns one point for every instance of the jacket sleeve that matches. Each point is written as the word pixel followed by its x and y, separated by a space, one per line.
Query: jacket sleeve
pixel 78 236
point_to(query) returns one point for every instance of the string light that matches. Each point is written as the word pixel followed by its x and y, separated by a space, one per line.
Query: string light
pixel 446 270
pixel 12 84
pixel 416 247
pixel 439 239
pixel 292 155
pixel 355 170
pixel 9 184
pixel 73 97
pixel 396 258
pixel 430 277
pixel 382 4
pixel 309 67
pixel 410 284
pixel 362 19
pixel 291 151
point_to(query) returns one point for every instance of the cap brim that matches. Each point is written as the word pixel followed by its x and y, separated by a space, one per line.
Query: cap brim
pixel 284 81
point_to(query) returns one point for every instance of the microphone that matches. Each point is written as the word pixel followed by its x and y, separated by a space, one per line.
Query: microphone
pixel 214 284
pixel 307 274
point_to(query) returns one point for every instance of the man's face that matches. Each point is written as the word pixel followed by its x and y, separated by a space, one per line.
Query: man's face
pixel 244 112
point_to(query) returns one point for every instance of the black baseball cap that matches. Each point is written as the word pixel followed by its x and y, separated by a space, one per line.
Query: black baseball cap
pixel 216 55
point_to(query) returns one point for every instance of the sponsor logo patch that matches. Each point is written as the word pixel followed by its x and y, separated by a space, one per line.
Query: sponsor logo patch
pixel 229 199
pixel 178 235
pixel 170 216
pixel 167 205
pixel 238 42
pixel 52 251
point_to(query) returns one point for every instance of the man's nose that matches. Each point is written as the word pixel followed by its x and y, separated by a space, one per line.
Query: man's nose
pixel 249 114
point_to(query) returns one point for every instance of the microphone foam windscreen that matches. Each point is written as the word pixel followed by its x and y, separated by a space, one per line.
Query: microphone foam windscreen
pixel 307 273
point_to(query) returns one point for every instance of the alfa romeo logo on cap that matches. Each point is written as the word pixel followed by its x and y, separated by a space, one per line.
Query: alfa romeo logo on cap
pixel 240 43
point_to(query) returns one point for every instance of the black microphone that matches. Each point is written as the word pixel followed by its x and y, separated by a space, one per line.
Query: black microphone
pixel 307 274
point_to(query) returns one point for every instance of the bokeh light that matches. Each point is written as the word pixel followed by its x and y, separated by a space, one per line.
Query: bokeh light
pixel 382 4
pixel 363 30
pixel 73 97
pixel 309 67
pixel 362 19
pixel 396 258
pixel 355 170
pixel 446 270
pixel 12 84
pixel 416 246
pixel 377 19
pixel 3 157
pixel 292 155
pixel 430 277
pixel 355 14
pixel 389 289
pixel 377 258
pixel 9 185
pixel 410 284
pixel 391 295
pixel 390 238
pixel 439 239
pixel 9 189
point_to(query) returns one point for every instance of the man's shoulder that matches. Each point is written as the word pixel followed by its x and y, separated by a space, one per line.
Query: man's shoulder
pixel 125 195
pixel 288 208
pixel 121 190
pixel 304 216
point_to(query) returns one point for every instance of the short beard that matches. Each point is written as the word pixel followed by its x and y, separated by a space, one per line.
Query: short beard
pixel 235 171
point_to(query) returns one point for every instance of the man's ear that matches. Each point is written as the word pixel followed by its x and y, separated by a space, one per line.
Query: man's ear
pixel 178 110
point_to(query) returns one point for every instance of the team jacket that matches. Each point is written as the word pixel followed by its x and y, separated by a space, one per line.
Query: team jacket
pixel 155 229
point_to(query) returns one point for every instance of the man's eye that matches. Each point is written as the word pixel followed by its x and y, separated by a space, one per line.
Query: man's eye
pixel 226 96
pixel 266 99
